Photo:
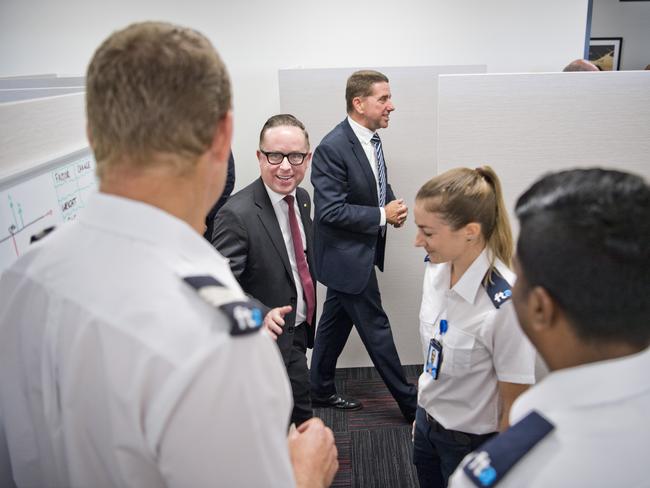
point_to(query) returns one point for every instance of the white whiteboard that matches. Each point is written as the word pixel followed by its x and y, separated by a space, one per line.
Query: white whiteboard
pixel 55 194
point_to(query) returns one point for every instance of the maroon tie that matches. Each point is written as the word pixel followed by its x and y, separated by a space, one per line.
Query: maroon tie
pixel 301 260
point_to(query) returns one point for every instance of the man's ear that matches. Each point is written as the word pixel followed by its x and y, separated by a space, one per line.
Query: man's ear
pixel 222 137
pixel 357 103
pixel 543 309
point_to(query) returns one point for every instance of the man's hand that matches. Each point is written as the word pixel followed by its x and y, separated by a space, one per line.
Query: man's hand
pixel 274 320
pixel 313 454
pixel 396 212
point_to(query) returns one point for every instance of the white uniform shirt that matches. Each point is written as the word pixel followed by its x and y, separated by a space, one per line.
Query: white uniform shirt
pixel 364 135
pixel 281 210
pixel 601 414
pixel 114 372
pixel 483 345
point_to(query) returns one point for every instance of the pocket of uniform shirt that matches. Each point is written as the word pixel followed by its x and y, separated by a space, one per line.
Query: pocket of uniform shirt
pixel 457 351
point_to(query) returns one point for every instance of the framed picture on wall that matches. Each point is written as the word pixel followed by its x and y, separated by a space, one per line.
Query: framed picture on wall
pixel 605 52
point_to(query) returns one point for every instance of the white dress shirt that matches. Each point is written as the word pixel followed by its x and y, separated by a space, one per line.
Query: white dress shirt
pixel 601 415
pixel 114 372
pixel 482 346
pixel 281 210
pixel 364 135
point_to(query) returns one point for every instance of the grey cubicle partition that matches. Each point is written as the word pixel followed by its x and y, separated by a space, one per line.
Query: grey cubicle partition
pixel 527 124
pixel 41 81
pixel 18 94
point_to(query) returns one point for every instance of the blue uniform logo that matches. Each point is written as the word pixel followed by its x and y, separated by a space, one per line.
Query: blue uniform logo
pixel 481 468
pixel 498 455
pixel 245 316
pixel 498 289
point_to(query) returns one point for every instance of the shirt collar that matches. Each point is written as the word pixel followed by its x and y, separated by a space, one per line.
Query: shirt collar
pixel 132 218
pixel 468 284
pixel 607 381
pixel 278 197
pixel 363 133
pixel 472 280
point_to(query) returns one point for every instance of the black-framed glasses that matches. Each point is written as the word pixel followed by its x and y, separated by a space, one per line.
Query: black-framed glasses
pixel 294 158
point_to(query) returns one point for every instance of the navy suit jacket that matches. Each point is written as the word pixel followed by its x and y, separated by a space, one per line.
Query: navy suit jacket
pixel 347 234
pixel 247 232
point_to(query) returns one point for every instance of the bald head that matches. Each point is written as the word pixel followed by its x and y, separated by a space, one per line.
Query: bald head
pixel 580 65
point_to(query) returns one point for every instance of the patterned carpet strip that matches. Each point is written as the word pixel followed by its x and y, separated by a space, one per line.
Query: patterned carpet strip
pixel 374 443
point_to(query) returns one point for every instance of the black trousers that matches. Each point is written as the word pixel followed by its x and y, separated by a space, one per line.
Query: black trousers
pixel 437 451
pixel 294 355
pixel 365 312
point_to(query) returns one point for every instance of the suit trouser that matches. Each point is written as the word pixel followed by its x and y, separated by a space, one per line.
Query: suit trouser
pixel 364 310
pixel 293 347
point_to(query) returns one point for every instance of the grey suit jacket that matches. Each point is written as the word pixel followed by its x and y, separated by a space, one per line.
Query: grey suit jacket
pixel 247 232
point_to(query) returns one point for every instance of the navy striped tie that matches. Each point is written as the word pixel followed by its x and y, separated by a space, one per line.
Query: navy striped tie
pixel 381 168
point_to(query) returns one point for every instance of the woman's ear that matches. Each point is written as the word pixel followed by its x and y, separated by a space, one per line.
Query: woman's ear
pixel 472 231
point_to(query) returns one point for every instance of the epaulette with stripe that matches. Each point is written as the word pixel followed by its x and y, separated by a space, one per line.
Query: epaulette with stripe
pixel 485 468
pixel 498 289
pixel 245 315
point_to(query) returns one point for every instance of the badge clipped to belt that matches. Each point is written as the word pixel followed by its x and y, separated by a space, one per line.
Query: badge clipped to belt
pixel 434 354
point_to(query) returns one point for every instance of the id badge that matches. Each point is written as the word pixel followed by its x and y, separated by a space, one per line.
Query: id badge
pixel 434 358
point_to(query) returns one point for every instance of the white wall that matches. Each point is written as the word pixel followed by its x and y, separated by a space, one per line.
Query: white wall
pixel 629 20
pixel 258 37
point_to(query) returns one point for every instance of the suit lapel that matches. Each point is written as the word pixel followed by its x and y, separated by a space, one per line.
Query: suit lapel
pixel 362 159
pixel 269 221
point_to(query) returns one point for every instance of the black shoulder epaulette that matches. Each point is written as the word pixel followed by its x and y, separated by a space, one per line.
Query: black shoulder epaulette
pixel 489 465
pixel 40 235
pixel 498 289
pixel 245 315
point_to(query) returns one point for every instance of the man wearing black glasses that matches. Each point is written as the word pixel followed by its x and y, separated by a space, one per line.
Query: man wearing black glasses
pixel 265 231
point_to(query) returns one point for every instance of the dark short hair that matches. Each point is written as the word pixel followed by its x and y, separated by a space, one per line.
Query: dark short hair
pixel 585 238
pixel 283 120
pixel 360 85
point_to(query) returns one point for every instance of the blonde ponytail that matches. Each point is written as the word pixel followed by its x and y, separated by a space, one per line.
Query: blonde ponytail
pixel 465 195
pixel 500 239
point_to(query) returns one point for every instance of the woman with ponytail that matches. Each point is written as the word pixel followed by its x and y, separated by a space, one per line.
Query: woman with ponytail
pixel 476 358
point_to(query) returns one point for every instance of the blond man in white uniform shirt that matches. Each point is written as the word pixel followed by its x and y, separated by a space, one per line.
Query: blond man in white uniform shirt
pixel 129 355
pixel 581 296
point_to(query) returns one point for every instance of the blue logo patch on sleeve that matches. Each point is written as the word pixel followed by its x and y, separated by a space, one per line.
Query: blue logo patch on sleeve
pixel 245 316
pixel 498 455
pixel 498 289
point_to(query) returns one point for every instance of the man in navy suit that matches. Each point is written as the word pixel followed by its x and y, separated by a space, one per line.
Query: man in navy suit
pixel 353 206
pixel 254 230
